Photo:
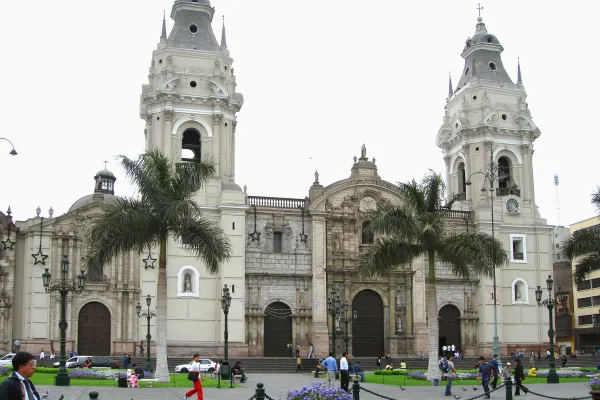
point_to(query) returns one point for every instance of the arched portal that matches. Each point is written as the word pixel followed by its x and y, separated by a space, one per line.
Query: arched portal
pixel 278 330
pixel 93 337
pixel 367 325
pixel 449 317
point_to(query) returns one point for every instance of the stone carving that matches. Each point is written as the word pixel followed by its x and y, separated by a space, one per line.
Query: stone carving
pixel 419 275
pixel 217 119
pixel 320 272
pixel 355 159
pixel 399 297
pixel 254 299
pixel 338 321
pixel 316 177
pixel 168 115
pixel 399 324
pixel 368 203
pixel 363 151
pixel 394 347
pixel 187 283
pixel 337 240
pixel 302 300
pixel 234 126
pixel 217 64
pixel 328 205
pixel 518 295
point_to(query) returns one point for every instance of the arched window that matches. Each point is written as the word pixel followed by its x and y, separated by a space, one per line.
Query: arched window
pixel 520 291
pixel 367 234
pixel 462 180
pixel 188 282
pixel 191 146
pixel 504 177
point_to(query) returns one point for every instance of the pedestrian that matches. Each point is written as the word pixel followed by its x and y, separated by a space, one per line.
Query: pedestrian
pixel 18 386
pixel 125 366
pixel 344 373
pixel 128 359
pixel 450 373
pixel 519 376
pixel 52 355
pixel 496 370
pixel 17 345
pixel 298 364
pixel 484 374
pixel 141 348
pixel 194 373
pixel 42 356
pixel 444 349
pixel 310 351
pixel 378 362
pixel 506 371
pixel 330 364
pixel 532 360
pixel 564 360
pixel 297 350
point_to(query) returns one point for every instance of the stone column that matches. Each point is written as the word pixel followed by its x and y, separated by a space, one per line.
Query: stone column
pixel 320 332
pixel 468 170
pixel 449 184
pixel 409 310
pixel 119 316
pixel 527 180
pixel 217 144
pixel 130 316
pixel 232 169
pixel 167 131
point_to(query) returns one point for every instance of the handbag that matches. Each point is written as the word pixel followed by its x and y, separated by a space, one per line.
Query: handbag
pixel 193 376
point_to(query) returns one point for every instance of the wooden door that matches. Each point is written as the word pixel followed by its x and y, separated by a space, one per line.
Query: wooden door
pixel 367 328
pixel 93 337
pixel 278 330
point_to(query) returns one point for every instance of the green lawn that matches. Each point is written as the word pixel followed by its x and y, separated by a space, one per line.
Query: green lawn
pixel 402 380
pixel 177 380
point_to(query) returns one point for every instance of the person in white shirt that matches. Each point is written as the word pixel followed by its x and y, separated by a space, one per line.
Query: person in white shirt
pixel 18 386
pixel 52 354
pixel 42 356
pixel 344 374
pixel 195 370
pixel 444 349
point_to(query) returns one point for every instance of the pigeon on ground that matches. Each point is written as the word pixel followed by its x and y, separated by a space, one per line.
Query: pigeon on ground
pixel 457 397
pixel 45 396
pixel 474 388
pixel 402 388
pixel 62 397
pixel 464 389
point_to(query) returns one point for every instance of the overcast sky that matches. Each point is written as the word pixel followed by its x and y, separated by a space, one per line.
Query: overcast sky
pixel 319 79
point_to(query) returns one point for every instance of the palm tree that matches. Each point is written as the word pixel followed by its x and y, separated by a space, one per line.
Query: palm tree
pixel 418 229
pixel 584 243
pixel 164 208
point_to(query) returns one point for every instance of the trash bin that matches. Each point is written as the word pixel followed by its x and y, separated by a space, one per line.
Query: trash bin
pixel 225 370
pixel 122 382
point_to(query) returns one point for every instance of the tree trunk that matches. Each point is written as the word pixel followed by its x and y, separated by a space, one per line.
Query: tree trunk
pixel 162 368
pixel 433 368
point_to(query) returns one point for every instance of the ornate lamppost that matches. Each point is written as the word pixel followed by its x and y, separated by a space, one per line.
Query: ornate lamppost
pixel 346 321
pixel 550 303
pixel 491 174
pixel 335 308
pixel 13 152
pixel 63 286
pixel 225 371
pixel 148 315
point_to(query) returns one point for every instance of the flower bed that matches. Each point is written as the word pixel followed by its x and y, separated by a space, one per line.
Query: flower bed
pixel 422 376
pixel 318 392
pixel 4 371
pixel 563 373
pixel 101 375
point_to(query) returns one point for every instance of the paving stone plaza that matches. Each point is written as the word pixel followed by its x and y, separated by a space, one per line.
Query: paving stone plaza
pixel 277 386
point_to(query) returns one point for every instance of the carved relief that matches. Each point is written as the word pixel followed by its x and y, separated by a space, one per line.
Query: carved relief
pixel 368 203
pixel 217 119
pixel 169 115
pixel 337 239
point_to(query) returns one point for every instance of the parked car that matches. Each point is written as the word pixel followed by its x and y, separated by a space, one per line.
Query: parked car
pixel 97 361
pixel 7 360
pixel 206 365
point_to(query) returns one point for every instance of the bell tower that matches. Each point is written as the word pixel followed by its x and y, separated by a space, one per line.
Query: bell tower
pixel 487 138
pixel 190 105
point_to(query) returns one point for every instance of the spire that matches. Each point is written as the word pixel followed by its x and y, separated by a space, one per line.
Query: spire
pixel 450 91
pixel 519 79
pixel 163 35
pixel 223 37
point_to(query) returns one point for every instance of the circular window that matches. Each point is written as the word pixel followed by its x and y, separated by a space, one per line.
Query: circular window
pixel 492 66
pixel 467 71
pixel 474 97
pixel 160 61
pixel 504 117
pixel 193 28
pixel 193 84
pixel 476 148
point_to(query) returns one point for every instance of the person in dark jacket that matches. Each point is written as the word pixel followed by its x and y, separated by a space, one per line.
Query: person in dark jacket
pixel 519 376
pixel 18 386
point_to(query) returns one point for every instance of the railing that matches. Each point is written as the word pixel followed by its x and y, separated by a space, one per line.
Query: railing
pixel 455 214
pixel 460 197
pixel 97 279
pixel 275 202
pixel 518 256
pixel 501 192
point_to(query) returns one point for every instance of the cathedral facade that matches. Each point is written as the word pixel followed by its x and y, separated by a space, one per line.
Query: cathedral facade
pixel 289 255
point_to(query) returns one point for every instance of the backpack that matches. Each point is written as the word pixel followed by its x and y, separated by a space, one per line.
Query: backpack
pixel 445 366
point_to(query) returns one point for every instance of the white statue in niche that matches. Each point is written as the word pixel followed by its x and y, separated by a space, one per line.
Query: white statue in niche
pixel 398 298
pixel 337 240
pixel 399 324
pixel 337 323
pixel 187 283
pixel 518 295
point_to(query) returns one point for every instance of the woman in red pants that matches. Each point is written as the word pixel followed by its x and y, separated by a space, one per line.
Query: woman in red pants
pixel 195 369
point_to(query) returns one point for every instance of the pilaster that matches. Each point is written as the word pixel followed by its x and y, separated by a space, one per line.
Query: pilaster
pixel 320 330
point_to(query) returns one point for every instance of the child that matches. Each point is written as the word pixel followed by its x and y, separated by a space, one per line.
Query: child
pixel 134 381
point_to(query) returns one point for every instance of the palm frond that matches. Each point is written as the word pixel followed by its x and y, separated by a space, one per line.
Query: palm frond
pixel 392 220
pixel 385 255
pixel 177 213
pixel 412 193
pixel 190 177
pixel 585 266
pixel 581 243
pixel 126 225
pixel 472 254
pixel 207 240
pixel 596 199
pixel 431 229
pixel 433 189
pixel 151 174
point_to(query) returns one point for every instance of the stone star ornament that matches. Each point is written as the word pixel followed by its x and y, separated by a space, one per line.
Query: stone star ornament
pixel 254 235
pixel 149 261
pixel 8 244
pixel 40 257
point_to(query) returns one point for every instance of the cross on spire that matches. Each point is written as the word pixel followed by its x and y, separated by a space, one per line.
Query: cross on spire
pixel 105 164
pixel 479 8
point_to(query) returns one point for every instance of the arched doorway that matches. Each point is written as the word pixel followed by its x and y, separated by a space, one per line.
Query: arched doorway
pixel 278 330
pixel 449 318
pixel 93 333
pixel 367 325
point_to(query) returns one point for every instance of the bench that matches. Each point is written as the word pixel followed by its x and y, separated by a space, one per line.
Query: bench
pixel 149 381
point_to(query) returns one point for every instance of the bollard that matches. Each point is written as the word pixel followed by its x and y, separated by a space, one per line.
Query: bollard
pixel 260 391
pixel 356 389
pixel 508 384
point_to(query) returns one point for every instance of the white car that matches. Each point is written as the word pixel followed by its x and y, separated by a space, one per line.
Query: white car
pixel 7 360
pixel 206 365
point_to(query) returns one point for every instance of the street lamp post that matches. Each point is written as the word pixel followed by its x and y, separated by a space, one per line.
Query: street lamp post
pixel 225 367
pixel 491 174
pixel 148 315
pixel 13 152
pixel 63 286
pixel 346 321
pixel 597 328
pixel 550 303
pixel 335 308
